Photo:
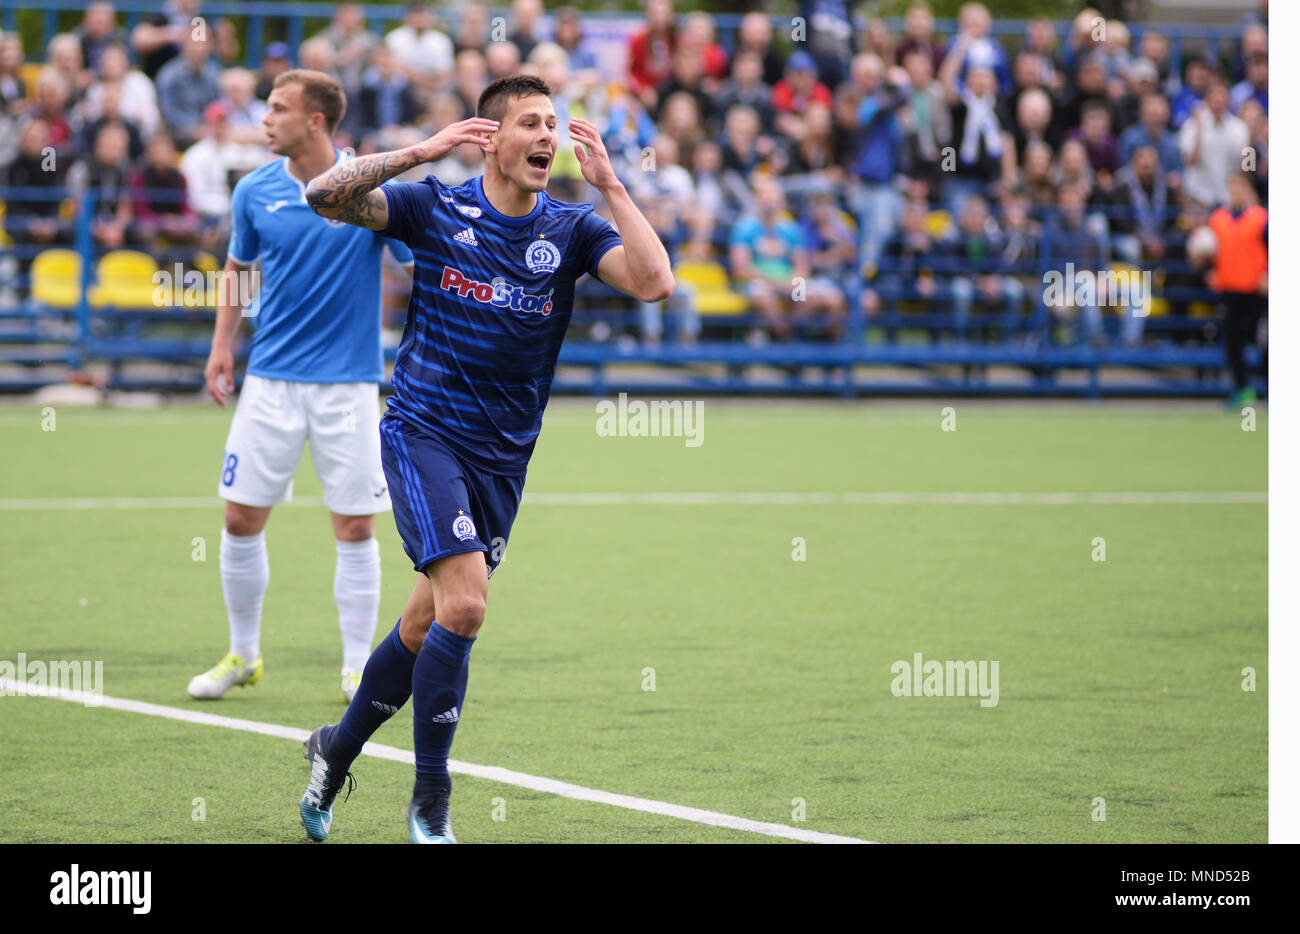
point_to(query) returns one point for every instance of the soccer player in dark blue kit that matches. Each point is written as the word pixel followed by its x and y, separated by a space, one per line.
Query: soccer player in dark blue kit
pixel 496 260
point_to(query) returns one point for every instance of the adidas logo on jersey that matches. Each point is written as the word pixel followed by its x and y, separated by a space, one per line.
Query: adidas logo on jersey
pixel 466 237
pixel 448 716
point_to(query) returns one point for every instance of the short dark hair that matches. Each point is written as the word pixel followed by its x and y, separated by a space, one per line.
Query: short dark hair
pixel 320 94
pixel 495 99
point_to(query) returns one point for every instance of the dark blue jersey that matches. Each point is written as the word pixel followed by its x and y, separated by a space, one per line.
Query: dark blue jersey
pixel 491 299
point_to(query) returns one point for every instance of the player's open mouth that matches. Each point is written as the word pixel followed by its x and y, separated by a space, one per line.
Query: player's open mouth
pixel 540 160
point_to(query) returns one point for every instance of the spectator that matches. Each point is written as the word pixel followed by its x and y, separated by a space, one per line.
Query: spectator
pixel 915 263
pixel 423 53
pixel 986 275
pixel 1089 87
pixel 1095 135
pixel 64 56
pixel 470 78
pixel 979 130
pixel 974 48
pixel 1254 86
pixel 98 30
pixel 13 89
pixel 829 38
pixel 318 55
pixel 525 26
pixel 502 59
pixel 33 222
pixel 1073 238
pixel 1212 141
pixel 1240 276
pixel 650 52
pixel 158 39
pixel 386 98
pixel 353 45
pixel 918 36
pixel 1155 49
pixel 186 86
pixel 874 199
pixel 680 306
pixel 583 63
pixel 1197 77
pixel 746 87
pixel 472 33
pixel 163 214
pixel 1041 42
pixel 1036 176
pixel 701 37
pixel 210 167
pixel 682 121
pixel 1140 79
pixel 814 154
pixel 1033 124
pixel 687 78
pixel 744 148
pixel 755 34
pixel 106 174
pixel 767 253
pixel 1152 129
pixel 52 93
pixel 1142 203
pixel 874 39
pixel 246 111
pixel 110 111
pixel 832 248
pixel 139 99
pixel 225 44
pixel 274 63
pixel 793 93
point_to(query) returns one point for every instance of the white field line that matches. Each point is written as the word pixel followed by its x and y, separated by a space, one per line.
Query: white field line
pixel 1185 498
pixel 488 772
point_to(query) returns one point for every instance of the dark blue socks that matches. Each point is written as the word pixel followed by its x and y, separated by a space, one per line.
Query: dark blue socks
pixel 385 686
pixel 438 687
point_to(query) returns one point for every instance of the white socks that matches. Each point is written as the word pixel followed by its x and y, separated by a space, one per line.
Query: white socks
pixel 245 573
pixel 356 591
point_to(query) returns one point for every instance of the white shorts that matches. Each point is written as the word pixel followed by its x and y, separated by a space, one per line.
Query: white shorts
pixel 274 419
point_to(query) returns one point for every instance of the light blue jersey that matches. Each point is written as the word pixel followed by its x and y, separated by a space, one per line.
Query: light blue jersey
pixel 318 311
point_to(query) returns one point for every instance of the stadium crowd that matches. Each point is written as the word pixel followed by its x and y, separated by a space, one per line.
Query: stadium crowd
pixel 856 166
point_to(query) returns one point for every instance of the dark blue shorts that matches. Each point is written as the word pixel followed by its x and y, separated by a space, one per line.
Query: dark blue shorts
pixel 442 505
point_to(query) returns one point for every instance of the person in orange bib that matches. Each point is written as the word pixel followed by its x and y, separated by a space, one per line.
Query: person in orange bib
pixel 1240 276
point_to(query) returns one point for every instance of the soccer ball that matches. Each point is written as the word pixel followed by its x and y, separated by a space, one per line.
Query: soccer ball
pixel 1202 245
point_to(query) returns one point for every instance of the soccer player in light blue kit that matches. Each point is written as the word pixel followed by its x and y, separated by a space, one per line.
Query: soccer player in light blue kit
pixel 496 260
pixel 313 376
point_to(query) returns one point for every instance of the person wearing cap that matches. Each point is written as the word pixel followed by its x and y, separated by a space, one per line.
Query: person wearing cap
pixel 186 85
pixel 793 93
pixel 275 62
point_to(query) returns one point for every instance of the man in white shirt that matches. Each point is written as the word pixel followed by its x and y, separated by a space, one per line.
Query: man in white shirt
pixel 425 54
pixel 1213 143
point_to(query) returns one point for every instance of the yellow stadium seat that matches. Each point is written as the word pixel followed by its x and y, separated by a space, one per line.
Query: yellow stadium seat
pixel 125 280
pixel 206 263
pixel 56 278
pixel 938 223
pixel 30 72
pixel 713 294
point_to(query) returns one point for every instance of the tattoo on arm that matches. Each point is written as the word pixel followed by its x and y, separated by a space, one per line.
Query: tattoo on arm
pixel 348 192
